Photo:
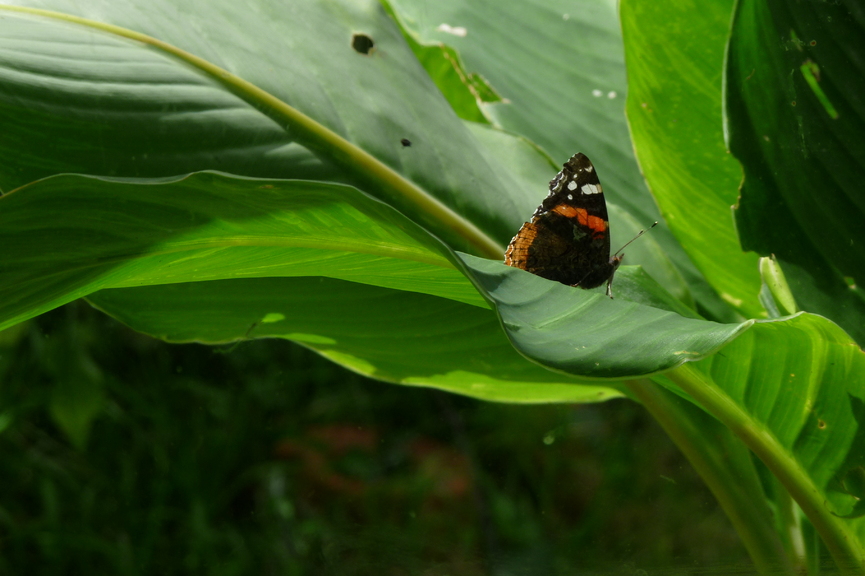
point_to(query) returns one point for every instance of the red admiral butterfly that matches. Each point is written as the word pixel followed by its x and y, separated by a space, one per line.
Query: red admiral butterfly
pixel 568 239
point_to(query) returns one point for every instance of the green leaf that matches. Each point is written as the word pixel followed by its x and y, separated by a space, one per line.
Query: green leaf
pixel 505 45
pixel 675 110
pixel 796 125
pixel 464 90
pixel 793 391
pixel 68 236
pixel 81 99
pixel 775 293
pixel 392 335
pixel 170 86
pixel 642 331
pixel 215 258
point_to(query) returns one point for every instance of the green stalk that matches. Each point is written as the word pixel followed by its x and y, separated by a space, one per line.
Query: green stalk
pixel 387 182
pixel 725 465
pixel 835 532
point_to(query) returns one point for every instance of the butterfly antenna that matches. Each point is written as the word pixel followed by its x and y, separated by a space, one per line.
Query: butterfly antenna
pixel 635 237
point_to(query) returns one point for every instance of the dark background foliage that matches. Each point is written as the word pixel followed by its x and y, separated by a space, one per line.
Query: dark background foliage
pixel 263 458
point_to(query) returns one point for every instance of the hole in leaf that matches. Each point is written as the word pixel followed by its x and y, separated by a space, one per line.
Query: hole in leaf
pixel 362 43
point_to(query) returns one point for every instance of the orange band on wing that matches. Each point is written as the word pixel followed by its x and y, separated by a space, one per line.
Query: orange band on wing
pixel 583 217
pixel 570 212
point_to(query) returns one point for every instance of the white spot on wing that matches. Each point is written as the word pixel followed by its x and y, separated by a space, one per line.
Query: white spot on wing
pixel 570 196
pixel 590 168
pixel 572 185
pixel 591 189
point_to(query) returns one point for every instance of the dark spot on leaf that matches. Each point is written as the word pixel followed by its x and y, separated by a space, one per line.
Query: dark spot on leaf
pixel 362 43
pixel 405 142
pixel 813 42
pixel 821 424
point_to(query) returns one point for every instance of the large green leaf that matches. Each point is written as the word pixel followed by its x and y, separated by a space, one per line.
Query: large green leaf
pixel 67 236
pixel 794 392
pixel 795 80
pixel 81 99
pixel 216 258
pixel 772 384
pixel 209 95
pixel 675 63
pixel 643 331
pixel 392 335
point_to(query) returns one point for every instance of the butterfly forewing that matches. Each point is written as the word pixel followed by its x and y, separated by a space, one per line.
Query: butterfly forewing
pixel 568 238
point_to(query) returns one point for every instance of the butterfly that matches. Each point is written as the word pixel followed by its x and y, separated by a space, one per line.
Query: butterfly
pixel 568 237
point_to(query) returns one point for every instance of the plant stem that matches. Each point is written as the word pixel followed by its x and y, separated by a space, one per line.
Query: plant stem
pixel 841 542
pixel 388 184
pixel 723 462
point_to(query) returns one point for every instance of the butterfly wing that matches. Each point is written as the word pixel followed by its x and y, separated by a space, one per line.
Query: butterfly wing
pixel 568 238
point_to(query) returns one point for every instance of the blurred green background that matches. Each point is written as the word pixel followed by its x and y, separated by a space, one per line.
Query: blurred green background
pixel 126 455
